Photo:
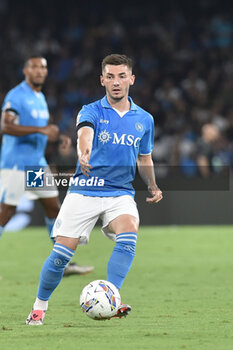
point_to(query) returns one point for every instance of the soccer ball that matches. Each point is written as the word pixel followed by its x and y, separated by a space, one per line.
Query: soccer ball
pixel 100 300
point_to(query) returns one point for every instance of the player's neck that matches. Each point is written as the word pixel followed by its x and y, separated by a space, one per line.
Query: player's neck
pixel 36 88
pixel 121 105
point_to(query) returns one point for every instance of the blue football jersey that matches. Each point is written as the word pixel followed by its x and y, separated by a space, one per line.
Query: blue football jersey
pixel 31 110
pixel 116 145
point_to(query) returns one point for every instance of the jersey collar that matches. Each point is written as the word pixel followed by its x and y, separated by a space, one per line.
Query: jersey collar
pixel 28 88
pixel 105 104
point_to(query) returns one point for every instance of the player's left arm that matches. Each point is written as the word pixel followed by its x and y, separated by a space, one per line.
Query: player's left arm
pixel 147 173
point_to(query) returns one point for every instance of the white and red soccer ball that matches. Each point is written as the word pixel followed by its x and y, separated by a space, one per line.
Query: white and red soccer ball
pixel 100 300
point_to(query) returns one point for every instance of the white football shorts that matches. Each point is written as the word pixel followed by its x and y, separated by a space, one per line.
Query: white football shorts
pixel 79 214
pixel 13 183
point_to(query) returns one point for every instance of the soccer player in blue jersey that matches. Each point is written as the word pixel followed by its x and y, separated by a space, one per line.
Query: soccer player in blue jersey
pixel 113 135
pixel 24 123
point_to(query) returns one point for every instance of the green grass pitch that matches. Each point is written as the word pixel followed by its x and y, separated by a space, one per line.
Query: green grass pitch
pixel 180 288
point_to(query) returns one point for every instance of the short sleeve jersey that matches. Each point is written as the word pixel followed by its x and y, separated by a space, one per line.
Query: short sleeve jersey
pixel 31 109
pixel 116 145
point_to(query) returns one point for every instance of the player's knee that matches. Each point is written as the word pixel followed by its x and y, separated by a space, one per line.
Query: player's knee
pixel 131 225
pixel 68 242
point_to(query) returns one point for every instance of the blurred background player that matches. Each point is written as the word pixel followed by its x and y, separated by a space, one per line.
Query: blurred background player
pixel 113 135
pixel 24 123
pixel 207 148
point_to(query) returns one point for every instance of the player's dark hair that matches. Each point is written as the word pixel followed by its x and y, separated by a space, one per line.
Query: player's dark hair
pixel 31 57
pixel 117 60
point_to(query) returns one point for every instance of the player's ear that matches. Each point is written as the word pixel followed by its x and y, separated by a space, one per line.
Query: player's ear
pixel 24 70
pixel 132 79
pixel 102 80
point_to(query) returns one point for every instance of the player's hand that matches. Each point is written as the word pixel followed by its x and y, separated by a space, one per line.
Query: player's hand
pixel 157 195
pixel 84 163
pixel 65 142
pixel 52 131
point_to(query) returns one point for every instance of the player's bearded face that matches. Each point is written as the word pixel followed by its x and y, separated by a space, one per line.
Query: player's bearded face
pixel 36 71
pixel 117 81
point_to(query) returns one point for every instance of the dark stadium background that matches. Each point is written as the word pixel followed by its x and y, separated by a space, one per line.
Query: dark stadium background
pixel 183 61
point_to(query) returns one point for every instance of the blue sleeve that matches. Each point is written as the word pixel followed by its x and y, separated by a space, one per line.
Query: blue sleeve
pixel 12 101
pixel 147 141
pixel 87 114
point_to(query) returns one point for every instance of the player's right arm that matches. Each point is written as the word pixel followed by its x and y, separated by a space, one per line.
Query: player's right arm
pixel 9 127
pixel 86 125
pixel 84 148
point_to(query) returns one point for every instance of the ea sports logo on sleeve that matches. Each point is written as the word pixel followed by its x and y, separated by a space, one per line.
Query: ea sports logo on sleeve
pixel 34 178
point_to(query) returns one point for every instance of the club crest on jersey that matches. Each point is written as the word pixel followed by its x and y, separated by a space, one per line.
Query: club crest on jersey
pixel 139 126
pixel 104 136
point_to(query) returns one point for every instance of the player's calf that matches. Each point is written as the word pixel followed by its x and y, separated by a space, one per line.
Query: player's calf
pixel 50 277
pixel 122 257
pixel 53 269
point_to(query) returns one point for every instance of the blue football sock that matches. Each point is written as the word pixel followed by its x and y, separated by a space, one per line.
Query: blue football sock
pixel 53 269
pixel 122 257
pixel 1 230
pixel 49 223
